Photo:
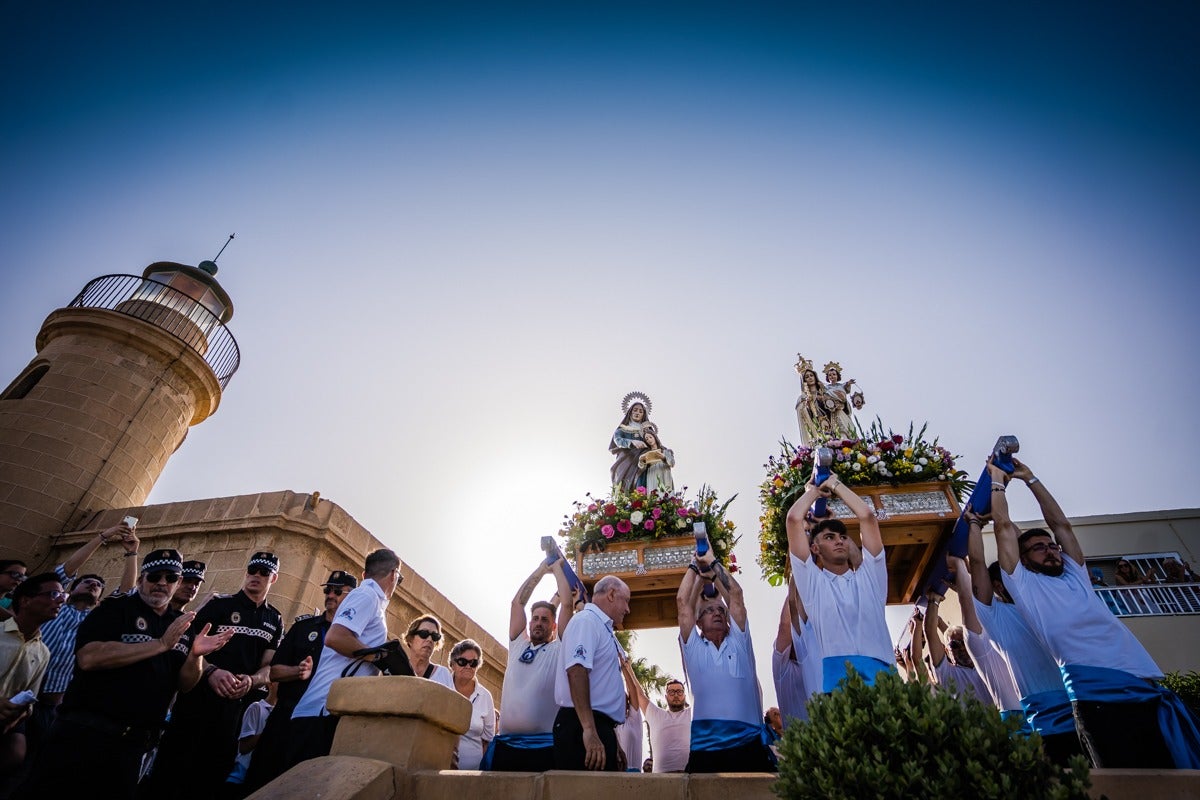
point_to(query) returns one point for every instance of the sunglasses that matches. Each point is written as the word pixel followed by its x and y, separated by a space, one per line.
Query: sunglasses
pixel 169 577
pixel 437 637
pixel 262 572
pixel 336 591
pixel 467 662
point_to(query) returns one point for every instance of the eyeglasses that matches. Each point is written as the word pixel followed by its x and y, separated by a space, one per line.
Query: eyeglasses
pixel 424 634
pixel 53 594
pixel 467 662
pixel 169 577
pixel 336 591
pixel 262 572
pixel 1043 547
pixel 16 576
pixel 91 582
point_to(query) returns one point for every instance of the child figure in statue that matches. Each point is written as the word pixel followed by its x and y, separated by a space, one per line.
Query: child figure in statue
pixel 655 463
pixel 626 443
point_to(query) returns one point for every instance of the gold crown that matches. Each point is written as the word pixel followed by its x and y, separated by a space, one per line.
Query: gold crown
pixel 832 365
pixel 803 364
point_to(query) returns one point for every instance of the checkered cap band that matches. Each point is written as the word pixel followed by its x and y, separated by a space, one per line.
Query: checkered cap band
pixel 265 559
pixel 194 569
pixel 163 559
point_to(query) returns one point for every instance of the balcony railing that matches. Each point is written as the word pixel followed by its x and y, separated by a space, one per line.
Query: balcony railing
pixel 1152 601
pixel 170 310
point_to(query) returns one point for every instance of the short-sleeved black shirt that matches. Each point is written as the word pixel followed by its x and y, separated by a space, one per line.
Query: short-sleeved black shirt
pixel 256 629
pixel 137 694
pixel 306 637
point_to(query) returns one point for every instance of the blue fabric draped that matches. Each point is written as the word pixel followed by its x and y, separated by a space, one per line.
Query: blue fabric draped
pixel 1180 728
pixel 1020 717
pixel 1049 712
pixel 722 734
pixel 519 741
pixel 834 669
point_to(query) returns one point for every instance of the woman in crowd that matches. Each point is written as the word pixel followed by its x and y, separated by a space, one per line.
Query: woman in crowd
pixel 465 660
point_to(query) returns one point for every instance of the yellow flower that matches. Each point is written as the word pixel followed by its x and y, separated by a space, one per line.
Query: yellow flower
pixel 908 453
pixel 778 483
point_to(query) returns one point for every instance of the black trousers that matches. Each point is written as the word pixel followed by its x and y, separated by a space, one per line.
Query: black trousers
pixel 569 752
pixel 270 754
pixel 310 737
pixel 1122 735
pixel 198 748
pixel 76 758
pixel 516 759
pixel 752 757
pixel 1059 747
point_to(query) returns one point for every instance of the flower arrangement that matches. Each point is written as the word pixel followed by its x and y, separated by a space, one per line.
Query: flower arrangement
pixel 648 515
pixel 879 458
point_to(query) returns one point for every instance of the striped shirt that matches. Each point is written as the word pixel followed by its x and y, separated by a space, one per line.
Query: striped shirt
pixel 59 636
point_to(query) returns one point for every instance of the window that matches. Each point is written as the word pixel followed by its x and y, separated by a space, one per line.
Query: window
pixel 24 383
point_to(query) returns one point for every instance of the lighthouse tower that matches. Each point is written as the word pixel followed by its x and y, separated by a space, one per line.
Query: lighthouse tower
pixel 120 375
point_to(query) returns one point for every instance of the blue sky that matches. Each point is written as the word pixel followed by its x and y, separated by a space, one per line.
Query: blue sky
pixel 466 230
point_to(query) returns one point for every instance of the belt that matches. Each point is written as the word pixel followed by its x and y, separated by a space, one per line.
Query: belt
pixel 143 737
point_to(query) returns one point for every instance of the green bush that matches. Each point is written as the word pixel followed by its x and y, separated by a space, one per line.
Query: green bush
pixel 897 740
pixel 1187 686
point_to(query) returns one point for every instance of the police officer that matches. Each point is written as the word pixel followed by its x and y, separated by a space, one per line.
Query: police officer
pixel 199 746
pixel 189 584
pixel 132 654
pixel 292 667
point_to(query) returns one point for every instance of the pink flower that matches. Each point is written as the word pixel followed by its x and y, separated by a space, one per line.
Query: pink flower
pixel 624 527
pixel 592 507
pixel 608 531
pixel 656 512
pixel 649 525
pixel 640 490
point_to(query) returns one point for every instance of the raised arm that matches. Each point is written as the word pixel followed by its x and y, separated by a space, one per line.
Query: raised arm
pixel 797 532
pixel 686 599
pixel 1052 512
pixel 966 600
pixel 73 562
pixel 516 614
pixel 635 690
pixel 981 580
pixel 868 525
pixel 565 610
pixel 731 592
pixel 129 565
pixel 937 650
pixel 1007 549
pixel 916 649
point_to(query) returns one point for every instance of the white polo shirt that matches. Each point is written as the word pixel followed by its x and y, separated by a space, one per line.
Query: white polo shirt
pixel 362 613
pixel 1033 670
pixel 796 680
pixel 723 680
pixel 589 642
pixel 993 669
pixel 670 736
pixel 1074 622
pixel 847 611
pixel 960 681
pixel 528 689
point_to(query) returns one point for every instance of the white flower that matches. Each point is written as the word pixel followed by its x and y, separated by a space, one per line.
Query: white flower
pixel 637 517
pixel 856 467
pixel 872 459
pixel 922 461
pixel 918 468
pixel 680 524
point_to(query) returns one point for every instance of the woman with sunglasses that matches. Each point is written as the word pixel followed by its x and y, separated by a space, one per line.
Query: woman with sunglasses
pixel 465 660
pixel 424 638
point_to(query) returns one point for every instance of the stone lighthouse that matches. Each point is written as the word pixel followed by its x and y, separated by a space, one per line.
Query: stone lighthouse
pixel 120 375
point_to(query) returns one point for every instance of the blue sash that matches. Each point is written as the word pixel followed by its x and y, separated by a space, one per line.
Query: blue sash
pixel 1049 713
pixel 517 741
pixel 1020 717
pixel 1180 728
pixel 723 734
pixel 834 669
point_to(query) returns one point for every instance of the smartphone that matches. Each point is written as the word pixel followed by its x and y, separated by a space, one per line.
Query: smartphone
pixel 131 522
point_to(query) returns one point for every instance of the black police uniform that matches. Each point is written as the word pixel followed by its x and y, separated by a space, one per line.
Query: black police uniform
pixel 109 718
pixel 199 747
pixel 305 638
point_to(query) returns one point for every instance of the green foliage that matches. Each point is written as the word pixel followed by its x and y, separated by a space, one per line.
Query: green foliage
pixel 1187 686
pixel 897 740
pixel 650 676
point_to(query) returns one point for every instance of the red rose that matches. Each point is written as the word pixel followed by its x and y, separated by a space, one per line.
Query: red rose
pixel 886 445
pixel 624 527
pixel 610 510
pixel 898 439
pixel 636 504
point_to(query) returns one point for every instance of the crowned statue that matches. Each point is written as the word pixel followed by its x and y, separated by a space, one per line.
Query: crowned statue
pixel 641 458
pixel 823 410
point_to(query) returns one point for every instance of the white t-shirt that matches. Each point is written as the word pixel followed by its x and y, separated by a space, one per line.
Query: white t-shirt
pixel 483 728
pixel 795 679
pixel 362 613
pixel 670 737
pixel 722 679
pixel 1033 670
pixel 960 681
pixel 253 722
pixel 589 642
pixel 993 669
pixel 528 690
pixel 847 611
pixel 442 674
pixel 629 736
pixel 1074 623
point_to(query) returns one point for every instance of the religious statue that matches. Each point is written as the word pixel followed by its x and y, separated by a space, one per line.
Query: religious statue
pixel 823 410
pixel 655 463
pixel 627 442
